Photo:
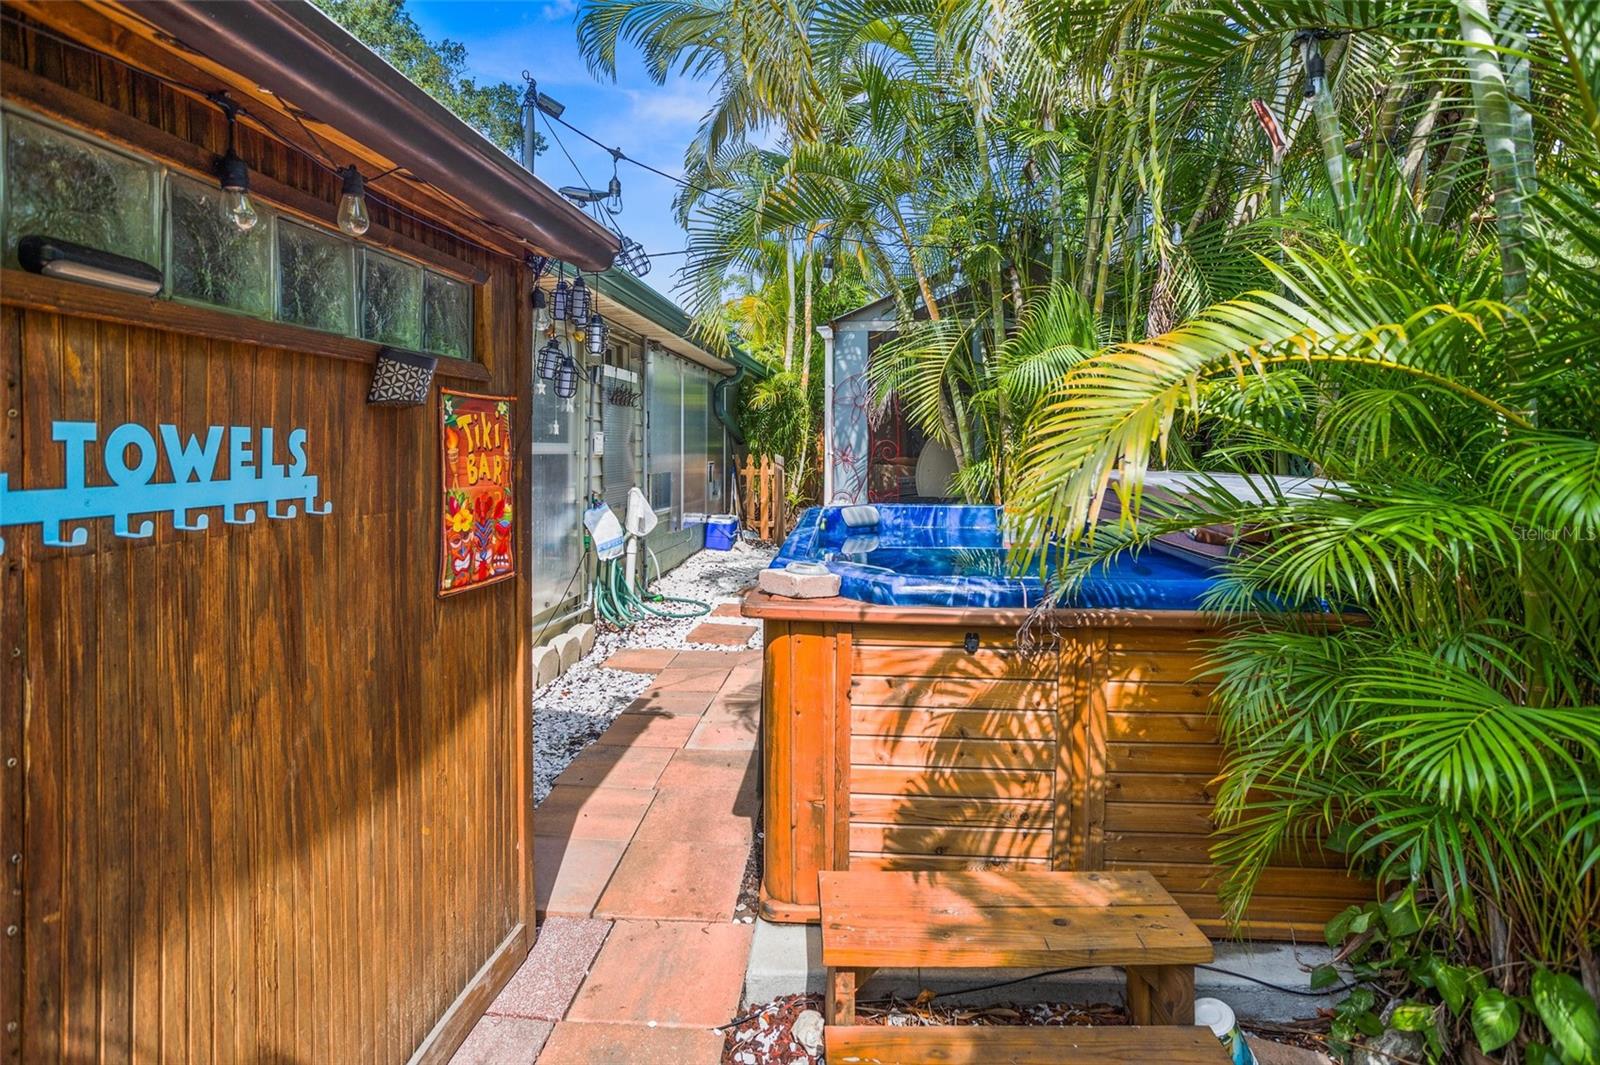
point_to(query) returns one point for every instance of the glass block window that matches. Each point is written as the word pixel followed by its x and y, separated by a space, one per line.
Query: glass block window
pixel 391 300
pixel 211 260
pixel 316 279
pixel 446 316
pixel 63 186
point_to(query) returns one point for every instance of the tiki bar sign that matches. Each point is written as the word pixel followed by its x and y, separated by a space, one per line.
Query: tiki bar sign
pixel 233 467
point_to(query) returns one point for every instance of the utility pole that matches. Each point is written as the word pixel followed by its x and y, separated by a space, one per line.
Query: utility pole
pixel 530 108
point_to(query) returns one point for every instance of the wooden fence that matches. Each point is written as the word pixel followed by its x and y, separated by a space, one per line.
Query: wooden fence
pixel 764 508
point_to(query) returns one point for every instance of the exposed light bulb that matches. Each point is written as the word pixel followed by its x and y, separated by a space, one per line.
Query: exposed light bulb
pixel 827 269
pixel 353 219
pixel 240 209
pixel 234 176
pixel 541 311
pixel 236 193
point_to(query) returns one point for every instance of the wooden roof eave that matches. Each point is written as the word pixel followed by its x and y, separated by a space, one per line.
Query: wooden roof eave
pixel 329 83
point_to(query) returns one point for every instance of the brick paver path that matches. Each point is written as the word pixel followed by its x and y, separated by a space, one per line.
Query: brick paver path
pixel 638 855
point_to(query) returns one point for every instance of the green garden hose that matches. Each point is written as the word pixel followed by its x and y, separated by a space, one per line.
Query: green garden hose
pixel 618 603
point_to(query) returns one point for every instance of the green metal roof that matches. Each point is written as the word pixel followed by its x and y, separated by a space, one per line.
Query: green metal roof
pixel 617 284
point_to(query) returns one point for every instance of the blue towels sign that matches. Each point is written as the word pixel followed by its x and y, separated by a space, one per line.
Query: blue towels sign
pixel 246 457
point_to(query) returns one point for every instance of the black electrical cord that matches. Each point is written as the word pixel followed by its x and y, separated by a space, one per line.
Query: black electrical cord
pixel 583 557
pixel 736 1022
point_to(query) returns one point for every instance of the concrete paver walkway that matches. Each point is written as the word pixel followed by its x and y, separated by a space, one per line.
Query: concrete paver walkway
pixel 639 852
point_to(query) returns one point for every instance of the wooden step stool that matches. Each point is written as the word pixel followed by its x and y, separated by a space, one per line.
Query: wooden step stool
pixel 879 1044
pixel 1023 920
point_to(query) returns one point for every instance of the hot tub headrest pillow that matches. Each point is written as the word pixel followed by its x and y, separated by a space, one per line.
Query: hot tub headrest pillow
pixel 860 517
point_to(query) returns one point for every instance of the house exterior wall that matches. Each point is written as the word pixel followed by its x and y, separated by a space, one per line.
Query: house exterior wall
pixel 271 797
pixel 849 405
pixel 688 459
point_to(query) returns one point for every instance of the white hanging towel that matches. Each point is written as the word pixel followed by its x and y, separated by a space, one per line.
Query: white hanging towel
pixel 605 530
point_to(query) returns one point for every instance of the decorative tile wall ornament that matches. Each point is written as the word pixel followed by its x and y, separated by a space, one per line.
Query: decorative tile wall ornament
pixel 249 457
pixel 401 378
pixel 476 534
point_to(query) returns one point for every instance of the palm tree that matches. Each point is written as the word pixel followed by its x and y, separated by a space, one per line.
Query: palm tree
pixel 1449 743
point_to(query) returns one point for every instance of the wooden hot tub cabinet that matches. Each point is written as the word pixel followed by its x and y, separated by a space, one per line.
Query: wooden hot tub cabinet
pixel 927 738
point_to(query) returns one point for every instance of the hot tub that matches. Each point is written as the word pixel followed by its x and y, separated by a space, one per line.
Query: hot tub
pixel 906 726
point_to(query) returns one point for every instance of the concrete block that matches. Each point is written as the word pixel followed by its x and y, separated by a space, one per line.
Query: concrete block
pixel 786 959
pixel 585 634
pixel 568 648
pixel 546 665
pixel 798 585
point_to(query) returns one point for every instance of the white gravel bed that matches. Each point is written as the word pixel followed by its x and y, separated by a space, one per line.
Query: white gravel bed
pixel 573 710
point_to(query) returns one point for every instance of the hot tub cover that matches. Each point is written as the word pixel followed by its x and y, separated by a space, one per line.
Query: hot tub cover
pixel 956 556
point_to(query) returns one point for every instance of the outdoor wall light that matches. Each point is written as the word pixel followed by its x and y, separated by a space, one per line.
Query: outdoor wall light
pixel 578 309
pixel 77 262
pixel 234 175
pixel 353 218
pixel 401 378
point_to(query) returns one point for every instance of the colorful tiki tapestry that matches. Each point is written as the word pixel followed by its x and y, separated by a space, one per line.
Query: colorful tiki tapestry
pixel 476 448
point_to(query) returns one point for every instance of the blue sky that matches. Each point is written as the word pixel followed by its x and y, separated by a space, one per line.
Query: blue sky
pixel 653 123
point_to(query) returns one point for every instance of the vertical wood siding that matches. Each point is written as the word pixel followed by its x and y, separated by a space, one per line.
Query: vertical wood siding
pixel 270 789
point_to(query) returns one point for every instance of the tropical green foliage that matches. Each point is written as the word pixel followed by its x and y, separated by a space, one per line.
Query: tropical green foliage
pixel 387 28
pixel 1352 241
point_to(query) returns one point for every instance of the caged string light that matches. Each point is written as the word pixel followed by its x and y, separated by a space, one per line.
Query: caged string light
pixel 567 382
pixel 578 309
pixel 560 297
pixel 549 364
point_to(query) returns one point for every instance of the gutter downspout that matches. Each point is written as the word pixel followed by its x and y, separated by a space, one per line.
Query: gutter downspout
pixel 719 403
pixel 826 332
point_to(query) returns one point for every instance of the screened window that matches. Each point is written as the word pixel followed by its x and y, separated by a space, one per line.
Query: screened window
pixel 666 435
pixel 557 471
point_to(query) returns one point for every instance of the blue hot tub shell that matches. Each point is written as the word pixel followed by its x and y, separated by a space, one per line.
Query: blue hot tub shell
pixel 956 556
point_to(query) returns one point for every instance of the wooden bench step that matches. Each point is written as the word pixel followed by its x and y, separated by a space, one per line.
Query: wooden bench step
pixel 1020 919
pixel 972 1045
pixel 1003 918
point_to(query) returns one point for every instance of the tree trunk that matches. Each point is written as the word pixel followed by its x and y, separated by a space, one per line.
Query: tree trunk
pixel 805 343
pixel 788 329
pixel 1498 126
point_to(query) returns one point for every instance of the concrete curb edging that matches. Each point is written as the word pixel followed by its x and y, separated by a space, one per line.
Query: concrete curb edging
pixel 786 959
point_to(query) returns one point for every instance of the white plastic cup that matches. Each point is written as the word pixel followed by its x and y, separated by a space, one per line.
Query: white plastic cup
pixel 1217 1015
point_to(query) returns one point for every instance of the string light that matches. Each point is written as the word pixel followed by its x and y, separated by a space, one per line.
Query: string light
pixel 578 309
pixel 560 296
pixel 233 174
pixel 353 219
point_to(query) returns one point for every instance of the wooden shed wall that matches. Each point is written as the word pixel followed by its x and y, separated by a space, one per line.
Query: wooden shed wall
pixel 270 791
